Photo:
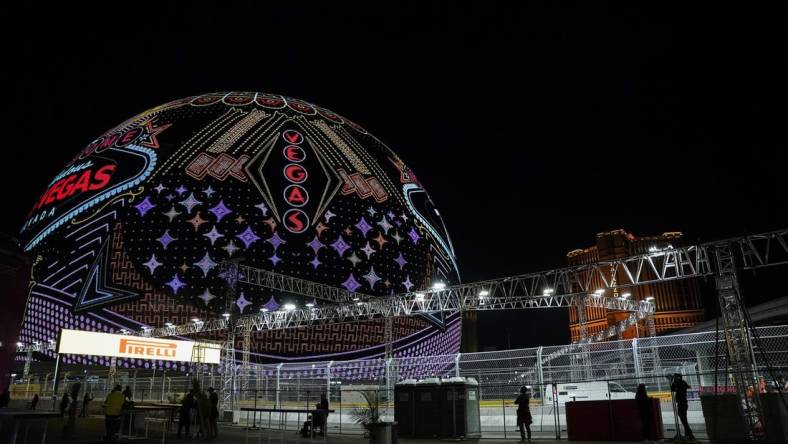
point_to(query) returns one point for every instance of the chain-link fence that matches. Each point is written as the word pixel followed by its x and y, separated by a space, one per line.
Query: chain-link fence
pixel 607 370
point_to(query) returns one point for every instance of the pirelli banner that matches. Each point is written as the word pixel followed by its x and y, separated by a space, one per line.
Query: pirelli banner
pixel 78 342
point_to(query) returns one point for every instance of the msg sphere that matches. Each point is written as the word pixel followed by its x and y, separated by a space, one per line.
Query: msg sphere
pixel 132 232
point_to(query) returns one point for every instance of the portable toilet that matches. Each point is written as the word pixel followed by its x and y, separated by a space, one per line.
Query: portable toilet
pixel 461 415
pixel 405 407
pixel 429 408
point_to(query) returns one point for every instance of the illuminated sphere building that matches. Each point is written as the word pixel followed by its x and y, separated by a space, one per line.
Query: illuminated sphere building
pixel 133 231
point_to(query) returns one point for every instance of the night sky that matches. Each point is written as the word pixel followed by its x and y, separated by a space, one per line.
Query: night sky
pixel 532 126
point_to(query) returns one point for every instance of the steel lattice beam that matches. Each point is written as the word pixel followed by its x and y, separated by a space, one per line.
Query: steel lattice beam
pixel 548 289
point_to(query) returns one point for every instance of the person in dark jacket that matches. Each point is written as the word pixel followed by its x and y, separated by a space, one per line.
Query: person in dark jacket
pixel 34 402
pixel 213 416
pixel 679 388
pixel 85 403
pixel 644 407
pixel 184 419
pixel 64 403
pixel 524 413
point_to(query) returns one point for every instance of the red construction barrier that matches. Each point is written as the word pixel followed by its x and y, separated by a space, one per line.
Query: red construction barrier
pixel 616 420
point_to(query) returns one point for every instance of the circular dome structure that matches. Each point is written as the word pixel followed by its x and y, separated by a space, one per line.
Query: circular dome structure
pixel 132 232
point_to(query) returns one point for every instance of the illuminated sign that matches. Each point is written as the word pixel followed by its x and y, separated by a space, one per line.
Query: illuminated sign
pixel 76 342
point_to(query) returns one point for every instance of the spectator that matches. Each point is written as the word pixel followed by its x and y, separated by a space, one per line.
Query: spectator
pixel 644 407
pixel 524 413
pixel 213 416
pixel 85 402
pixel 113 408
pixel 34 402
pixel 184 420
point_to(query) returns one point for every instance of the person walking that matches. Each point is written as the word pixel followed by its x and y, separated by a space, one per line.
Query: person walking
pixel 71 411
pixel 85 402
pixel 524 413
pixel 184 420
pixel 34 402
pixel 644 407
pixel 113 408
pixel 679 387
pixel 322 415
pixel 64 403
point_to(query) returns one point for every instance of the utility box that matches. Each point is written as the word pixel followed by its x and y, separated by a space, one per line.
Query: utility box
pixel 723 418
pixel 405 407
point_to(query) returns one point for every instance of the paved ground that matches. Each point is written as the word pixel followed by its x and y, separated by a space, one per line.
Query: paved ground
pixel 91 429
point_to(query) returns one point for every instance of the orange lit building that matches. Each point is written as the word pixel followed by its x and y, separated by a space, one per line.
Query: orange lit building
pixel 678 303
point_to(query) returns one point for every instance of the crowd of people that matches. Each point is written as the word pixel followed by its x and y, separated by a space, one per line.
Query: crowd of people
pixel 199 408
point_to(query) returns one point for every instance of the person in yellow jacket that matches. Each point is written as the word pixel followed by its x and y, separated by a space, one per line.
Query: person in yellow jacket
pixel 113 408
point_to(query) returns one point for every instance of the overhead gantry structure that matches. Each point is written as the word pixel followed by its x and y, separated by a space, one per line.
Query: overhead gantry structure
pixel 588 285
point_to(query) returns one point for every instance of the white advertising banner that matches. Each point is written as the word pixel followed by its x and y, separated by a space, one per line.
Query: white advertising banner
pixel 77 342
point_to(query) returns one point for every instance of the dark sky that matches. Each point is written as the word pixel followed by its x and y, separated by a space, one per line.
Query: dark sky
pixel 533 126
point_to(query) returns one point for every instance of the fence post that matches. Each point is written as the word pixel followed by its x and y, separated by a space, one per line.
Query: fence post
pixel 152 380
pixel 636 359
pixel 457 365
pixel 328 380
pixel 540 372
pixel 278 372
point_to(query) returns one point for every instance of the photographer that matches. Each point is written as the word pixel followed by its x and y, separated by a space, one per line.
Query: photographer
pixel 679 387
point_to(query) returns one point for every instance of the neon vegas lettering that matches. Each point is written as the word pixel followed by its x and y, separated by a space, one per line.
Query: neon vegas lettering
pixel 88 180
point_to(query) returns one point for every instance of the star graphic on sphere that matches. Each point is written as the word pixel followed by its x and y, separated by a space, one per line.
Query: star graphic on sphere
pixel 213 235
pixel 166 239
pixel 152 263
pixel 184 268
pixel 372 277
pixel 380 240
pixel 414 235
pixel 400 261
pixel 275 259
pixel 206 296
pixel 220 210
pixel 385 225
pixel 176 284
pixel 348 231
pixel 190 202
pixel 387 283
pixel 197 220
pixel 240 219
pixel 368 250
pixel 404 216
pixel 248 237
pixel 363 226
pixel 172 214
pixel 263 209
pixel 315 262
pixel 181 189
pixel 159 188
pixel 320 228
pixel 351 284
pixel 230 248
pixel 354 259
pixel 206 264
pixel 316 245
pixel 328 216
pixel 170 196
pixel 144 206
pixel 408 284
pixel 275 240
pixel 397 237
pixel 390 215
pixel 241 302
pixel 208 191
pixel 371 211
pixel 340 245
pixel 271 305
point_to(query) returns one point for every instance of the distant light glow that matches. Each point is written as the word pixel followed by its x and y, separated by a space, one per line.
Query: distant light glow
pixel 547 291
pixel 484 293
pixel 600 292
pixel 438 286
pixel 289 307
